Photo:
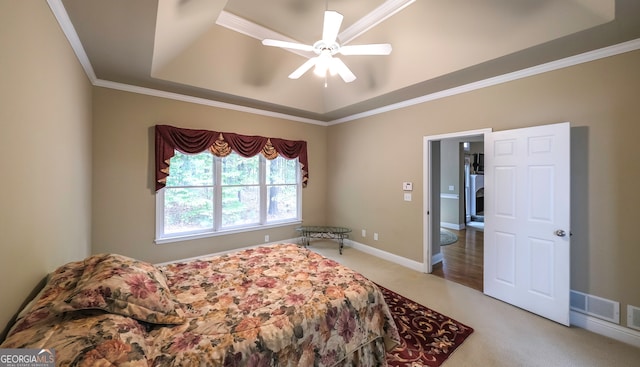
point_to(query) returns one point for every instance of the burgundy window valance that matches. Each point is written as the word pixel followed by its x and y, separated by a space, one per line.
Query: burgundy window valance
pixel 190 141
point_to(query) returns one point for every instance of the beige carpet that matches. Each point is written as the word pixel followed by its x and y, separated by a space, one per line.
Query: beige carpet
pixel 504 335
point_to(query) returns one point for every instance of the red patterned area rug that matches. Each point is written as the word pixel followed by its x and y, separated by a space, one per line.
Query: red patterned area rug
pixel 428 337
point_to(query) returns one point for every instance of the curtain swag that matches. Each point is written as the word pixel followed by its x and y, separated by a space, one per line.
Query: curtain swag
pixel 190 141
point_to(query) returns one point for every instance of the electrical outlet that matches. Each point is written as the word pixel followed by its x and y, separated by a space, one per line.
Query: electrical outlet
pixel 375 236
pixel 266 238
pixel 364 233
pixel 451 188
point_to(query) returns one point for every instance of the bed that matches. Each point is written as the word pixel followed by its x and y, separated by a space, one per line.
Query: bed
pixel 278 305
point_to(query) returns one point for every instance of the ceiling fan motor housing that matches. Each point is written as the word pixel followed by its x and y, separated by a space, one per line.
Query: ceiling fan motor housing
pixel 321 45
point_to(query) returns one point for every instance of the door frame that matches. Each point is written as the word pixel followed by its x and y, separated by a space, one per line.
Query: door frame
pixel 430 182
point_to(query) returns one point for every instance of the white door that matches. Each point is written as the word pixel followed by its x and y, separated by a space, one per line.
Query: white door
pixel 527 216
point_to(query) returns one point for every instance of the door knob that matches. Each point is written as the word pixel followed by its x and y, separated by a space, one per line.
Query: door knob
pixel 560 233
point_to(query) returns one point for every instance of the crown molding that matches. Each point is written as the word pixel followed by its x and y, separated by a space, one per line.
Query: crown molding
pixel 72 36
pixel 67 27
pixel 201 101
pixel 524 73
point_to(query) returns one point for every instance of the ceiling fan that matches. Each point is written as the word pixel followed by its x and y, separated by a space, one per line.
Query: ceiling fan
pixel 326 49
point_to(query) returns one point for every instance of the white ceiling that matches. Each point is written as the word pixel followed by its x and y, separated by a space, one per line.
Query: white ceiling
pixel 187 46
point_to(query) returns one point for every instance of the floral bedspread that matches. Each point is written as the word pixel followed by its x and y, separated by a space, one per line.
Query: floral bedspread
pixel 279 305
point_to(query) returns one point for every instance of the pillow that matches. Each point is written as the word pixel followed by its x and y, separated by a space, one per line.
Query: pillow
pixel 124 286
pixel 57 287
pixel 90 338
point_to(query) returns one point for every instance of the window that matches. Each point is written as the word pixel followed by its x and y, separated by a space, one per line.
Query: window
pixel 207 195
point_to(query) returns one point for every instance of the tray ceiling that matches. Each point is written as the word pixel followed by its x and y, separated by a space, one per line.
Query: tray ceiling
pixel 200 48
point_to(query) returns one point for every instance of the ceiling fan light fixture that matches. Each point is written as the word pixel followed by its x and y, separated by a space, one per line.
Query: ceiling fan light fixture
pixel 320 70
pixel 327 47
pixel 323 63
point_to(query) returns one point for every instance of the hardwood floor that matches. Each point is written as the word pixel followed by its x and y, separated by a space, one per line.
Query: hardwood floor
pixel 463 260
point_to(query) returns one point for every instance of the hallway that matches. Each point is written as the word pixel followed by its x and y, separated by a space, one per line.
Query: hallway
pixel 463 261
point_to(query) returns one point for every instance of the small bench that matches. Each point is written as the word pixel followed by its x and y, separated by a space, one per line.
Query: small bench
pixel 334 233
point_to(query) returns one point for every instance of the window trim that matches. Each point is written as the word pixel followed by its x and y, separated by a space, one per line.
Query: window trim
pixel 195 236
pixel 217 230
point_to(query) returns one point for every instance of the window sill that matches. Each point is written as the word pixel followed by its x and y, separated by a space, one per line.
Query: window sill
pixel 179 238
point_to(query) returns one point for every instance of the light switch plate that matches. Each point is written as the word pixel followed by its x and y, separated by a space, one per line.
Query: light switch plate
pixel 407 196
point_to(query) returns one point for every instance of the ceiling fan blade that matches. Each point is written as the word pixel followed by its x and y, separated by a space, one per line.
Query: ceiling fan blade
pixel 370 49
pixel 285 44
pixel 338 66
pixel 303 68
pixel 331 27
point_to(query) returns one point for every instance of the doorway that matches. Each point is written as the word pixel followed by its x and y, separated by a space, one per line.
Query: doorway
pixel 433 189
pixel 526 262
pixel 461 211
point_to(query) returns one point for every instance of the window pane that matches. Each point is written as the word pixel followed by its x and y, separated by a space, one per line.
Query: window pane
pixel 188 209
pixel 282 171
pixel 282 202
pixel 191 170
pixel 240 205
pixel 191 199
pixel 237 170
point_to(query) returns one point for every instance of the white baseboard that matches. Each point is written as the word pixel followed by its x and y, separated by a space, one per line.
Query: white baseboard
pixel 592 324
pixel 605 328
pixel 455 226
pixel 437 258
pixel 408 263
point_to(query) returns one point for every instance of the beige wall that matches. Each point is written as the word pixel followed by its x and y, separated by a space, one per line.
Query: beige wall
pixel 52 209
pixel 452 174
pixel 369 159
pixel 123 158
pixel 45 115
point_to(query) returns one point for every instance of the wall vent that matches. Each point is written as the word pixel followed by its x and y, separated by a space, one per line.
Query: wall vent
pixel 596 306
pixel 633 317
